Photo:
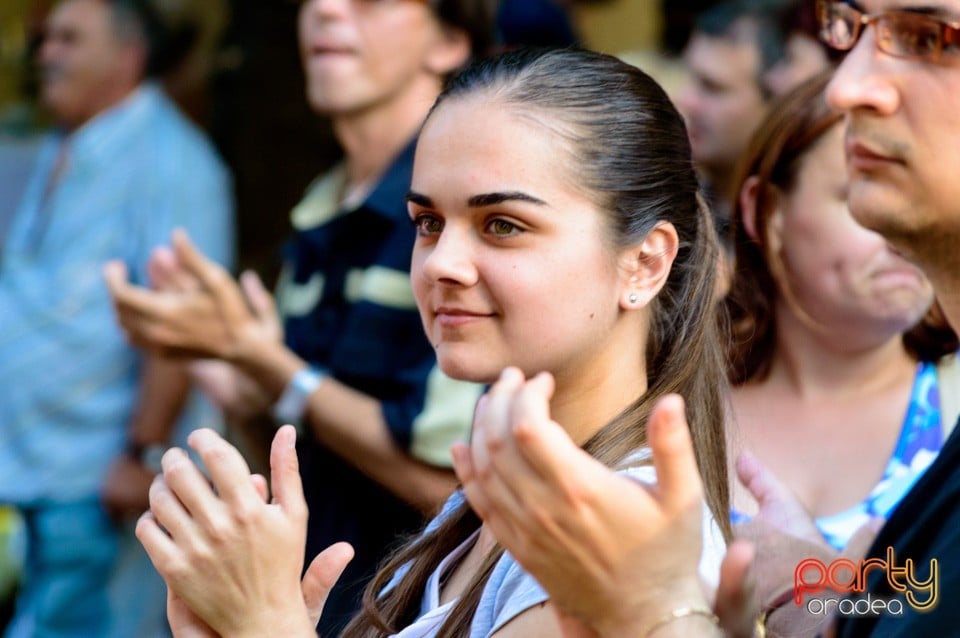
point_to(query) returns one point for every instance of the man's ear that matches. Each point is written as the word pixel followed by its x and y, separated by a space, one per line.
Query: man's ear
pixel 646 266
pixel 450 51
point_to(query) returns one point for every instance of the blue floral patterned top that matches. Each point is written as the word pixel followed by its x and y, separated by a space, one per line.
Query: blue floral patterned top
pixel 921 439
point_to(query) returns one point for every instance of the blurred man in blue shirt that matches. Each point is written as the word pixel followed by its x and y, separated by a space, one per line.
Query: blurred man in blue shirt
pixel 82 413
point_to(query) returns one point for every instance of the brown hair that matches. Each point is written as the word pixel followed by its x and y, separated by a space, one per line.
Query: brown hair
pixel 633 156
pixel 795 122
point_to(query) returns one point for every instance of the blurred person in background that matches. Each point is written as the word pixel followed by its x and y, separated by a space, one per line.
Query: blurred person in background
pixel 350 361
pixel 85 415
pixel 804 54
pixel 732 48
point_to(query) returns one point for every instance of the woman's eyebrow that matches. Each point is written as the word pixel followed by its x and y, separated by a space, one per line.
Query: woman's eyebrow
pixel 492 199
pixel 420 200
pixel 479 201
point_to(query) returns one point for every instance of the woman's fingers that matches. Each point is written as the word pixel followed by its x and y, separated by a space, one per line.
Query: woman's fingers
pixel 169 512
pixel 228 469
pixel 159 545
pixel 285 473
pixel 188 484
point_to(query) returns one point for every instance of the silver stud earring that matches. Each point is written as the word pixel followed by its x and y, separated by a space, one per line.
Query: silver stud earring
pixel 632 298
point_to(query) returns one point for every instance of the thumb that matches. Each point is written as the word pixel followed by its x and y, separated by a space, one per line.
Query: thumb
pixel 678 477
pixel 322 575
pixel 285 473
pixel 736 605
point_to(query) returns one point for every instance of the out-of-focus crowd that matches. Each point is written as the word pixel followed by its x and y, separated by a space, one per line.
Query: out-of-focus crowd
pixel 570 218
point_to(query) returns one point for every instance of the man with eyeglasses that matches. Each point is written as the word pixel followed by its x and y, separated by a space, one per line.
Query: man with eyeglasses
pixel 900 88
pixel 622 558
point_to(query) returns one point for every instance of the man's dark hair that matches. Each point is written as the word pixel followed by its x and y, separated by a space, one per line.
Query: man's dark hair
pixel 475 17
pixel 765 17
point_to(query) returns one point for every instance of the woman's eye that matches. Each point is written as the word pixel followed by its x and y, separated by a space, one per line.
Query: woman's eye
pixel 427 225
pixel 502 228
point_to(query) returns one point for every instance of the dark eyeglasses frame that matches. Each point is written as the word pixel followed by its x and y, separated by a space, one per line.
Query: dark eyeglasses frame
pixel 948 32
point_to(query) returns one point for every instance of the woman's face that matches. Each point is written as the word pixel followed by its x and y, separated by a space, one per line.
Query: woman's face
pixel 510 266
pixel 843 275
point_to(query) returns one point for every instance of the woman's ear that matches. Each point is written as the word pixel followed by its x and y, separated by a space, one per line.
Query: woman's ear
pixel 773 224
pixel 449 51
pixel 748 206
pixel 646 266
pixel 772 241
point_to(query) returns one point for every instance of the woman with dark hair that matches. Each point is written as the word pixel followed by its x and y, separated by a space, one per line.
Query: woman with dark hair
pixel 561 238
pixel 834 353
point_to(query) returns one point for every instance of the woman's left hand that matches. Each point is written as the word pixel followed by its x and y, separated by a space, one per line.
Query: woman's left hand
pixel 232 558
pixel 612 552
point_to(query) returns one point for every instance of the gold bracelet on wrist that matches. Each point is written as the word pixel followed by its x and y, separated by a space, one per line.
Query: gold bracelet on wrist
pixel 682 612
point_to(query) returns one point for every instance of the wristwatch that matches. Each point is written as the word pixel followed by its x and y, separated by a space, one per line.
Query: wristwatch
pixel 291 405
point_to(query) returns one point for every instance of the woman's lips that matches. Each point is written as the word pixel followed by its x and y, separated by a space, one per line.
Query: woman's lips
pixel 457 317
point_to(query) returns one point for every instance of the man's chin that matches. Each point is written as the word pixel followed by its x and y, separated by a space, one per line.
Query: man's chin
pixel 884 209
